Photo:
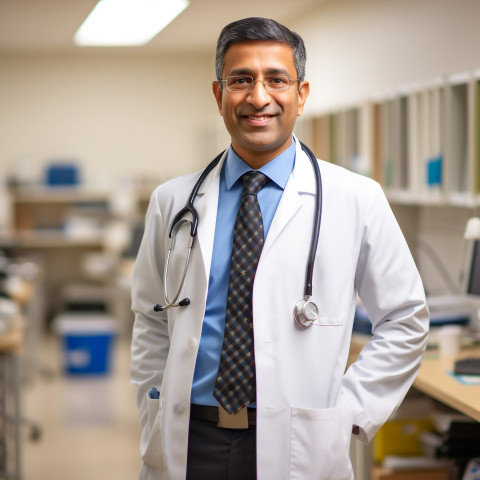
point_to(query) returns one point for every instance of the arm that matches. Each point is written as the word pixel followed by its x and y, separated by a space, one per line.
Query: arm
pixel 150 339
pixel 390 287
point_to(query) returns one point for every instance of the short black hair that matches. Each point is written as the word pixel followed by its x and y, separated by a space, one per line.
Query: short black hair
pixel 260 29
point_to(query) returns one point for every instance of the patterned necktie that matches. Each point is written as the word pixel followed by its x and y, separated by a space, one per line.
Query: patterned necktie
pixel 235 383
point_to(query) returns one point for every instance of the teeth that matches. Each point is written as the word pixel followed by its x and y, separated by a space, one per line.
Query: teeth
pixel 257 118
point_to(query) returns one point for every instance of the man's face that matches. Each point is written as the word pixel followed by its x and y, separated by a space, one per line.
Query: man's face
pixel 260 122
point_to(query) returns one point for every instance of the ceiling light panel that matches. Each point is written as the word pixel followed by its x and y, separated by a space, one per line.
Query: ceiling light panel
pixel 114 23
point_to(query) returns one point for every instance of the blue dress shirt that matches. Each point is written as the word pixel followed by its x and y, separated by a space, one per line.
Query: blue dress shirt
pixel 230 193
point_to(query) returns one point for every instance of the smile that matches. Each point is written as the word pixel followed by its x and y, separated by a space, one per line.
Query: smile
pixel 262 118
pixel 258 120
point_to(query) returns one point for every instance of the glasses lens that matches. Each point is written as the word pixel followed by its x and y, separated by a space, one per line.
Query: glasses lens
pixel 239 83
pixel 243 83
pixel 277 83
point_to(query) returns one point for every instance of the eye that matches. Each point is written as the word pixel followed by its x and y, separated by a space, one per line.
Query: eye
pixel 239 81
pixel 278 82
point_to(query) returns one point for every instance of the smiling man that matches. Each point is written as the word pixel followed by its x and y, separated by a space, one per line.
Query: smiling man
pixel 231 383
pixel 258 113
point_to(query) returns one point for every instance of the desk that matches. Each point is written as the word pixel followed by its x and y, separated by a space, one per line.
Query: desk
pixel 11 343
pixel 434 380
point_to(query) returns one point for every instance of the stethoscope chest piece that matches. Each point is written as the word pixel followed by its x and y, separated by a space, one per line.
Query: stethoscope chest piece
pixel 305 313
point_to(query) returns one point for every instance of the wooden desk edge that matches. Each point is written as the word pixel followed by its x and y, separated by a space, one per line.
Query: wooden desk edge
pixel 426 384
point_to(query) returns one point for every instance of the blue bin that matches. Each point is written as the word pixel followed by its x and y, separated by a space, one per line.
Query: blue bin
pixel 87 343
pixel 62 175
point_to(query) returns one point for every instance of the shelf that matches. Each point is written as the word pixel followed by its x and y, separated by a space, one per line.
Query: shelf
pixel 35 239
pixel 421 143
pixel 343 138
pixel 43 194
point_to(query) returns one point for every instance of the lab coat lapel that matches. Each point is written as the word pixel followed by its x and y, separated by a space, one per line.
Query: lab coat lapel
pixel 206 205
pixel 301 182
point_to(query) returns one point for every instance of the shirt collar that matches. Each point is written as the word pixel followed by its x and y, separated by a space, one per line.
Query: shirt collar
pixel 277 170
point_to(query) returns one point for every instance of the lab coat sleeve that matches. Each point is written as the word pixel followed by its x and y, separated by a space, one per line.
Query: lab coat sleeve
pixel 391 290
pixel 150 339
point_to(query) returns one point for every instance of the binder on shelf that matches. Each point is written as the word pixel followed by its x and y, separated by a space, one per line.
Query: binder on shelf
pixel 458 165
pixel 434 154
pixel 321 137
pixel 475 130
pixel 337 138
pixel 415 180
pixel 378 147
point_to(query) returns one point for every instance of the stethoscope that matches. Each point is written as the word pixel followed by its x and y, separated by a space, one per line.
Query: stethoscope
pixel 305 311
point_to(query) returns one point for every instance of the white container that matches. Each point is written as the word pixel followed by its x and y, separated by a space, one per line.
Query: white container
pixel 449 340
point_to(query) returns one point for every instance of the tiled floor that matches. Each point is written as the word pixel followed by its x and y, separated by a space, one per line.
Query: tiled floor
pixel 89 427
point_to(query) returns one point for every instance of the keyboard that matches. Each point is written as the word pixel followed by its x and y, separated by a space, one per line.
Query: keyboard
pixel 468 366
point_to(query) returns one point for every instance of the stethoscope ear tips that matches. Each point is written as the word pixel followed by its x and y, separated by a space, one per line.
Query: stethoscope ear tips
pixel 184 302
pixel 157 308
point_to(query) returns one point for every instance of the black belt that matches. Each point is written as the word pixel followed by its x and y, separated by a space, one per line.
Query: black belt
pixel 210 414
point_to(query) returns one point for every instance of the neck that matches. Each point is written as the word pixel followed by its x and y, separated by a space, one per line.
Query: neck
pixel 258 158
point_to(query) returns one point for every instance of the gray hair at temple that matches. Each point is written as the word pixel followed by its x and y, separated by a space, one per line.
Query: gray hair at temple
pixel 260 29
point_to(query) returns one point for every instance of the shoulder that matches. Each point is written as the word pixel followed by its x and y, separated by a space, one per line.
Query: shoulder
pixel 344 180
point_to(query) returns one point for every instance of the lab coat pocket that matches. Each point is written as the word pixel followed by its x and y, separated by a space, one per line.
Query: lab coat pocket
pixel 151 447
pixel 320 444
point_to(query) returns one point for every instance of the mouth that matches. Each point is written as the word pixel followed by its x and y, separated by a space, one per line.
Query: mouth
pixel 259 120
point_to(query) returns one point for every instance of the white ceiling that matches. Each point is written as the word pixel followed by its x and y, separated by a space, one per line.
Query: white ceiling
pixel 49 25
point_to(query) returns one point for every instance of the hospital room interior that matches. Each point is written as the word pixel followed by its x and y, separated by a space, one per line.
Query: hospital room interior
pixel 86 134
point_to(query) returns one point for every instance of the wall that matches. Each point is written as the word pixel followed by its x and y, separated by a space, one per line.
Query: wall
pixel 115 115
pixel 360 48
pixel 120 115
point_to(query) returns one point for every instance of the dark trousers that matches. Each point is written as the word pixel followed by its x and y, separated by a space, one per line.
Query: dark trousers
pixel 220 454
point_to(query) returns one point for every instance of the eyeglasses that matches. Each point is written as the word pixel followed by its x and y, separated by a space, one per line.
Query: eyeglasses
pixel 244 83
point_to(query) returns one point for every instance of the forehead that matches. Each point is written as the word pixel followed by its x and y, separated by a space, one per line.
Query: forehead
pixel 259 57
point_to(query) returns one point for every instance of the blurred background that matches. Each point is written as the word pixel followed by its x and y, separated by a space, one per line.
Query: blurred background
pixel 86 133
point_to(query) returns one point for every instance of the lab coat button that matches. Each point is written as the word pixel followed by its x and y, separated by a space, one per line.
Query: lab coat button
pixel 192 342
pixel 179 408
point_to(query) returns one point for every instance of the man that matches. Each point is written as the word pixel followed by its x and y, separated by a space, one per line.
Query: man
pixel 287 409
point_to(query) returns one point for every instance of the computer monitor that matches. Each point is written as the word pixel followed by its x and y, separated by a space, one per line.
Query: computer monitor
pixel 471 283
pixel 473 273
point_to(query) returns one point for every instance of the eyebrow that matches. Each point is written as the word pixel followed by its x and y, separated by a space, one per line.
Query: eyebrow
pixel 270 71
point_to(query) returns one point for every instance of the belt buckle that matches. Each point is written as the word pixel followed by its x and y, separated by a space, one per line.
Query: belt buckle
pixel 237 421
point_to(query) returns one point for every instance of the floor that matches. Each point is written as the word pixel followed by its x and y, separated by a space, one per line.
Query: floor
pixel 88 424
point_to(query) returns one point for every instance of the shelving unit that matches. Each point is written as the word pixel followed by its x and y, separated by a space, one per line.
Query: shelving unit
pixel 421 143
pixel 62 228
pixel 342 137
pixel 59 215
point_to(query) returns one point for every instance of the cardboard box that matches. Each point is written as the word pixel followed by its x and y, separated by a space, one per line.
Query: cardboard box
pixel 400 437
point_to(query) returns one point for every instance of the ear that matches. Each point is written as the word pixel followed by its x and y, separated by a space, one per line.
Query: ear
pixel 303 92
pixel 218 92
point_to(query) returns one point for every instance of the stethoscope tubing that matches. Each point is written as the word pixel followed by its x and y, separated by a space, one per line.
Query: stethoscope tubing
pixel 189 208
pixel 316 224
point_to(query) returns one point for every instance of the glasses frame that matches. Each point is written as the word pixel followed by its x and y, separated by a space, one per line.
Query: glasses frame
pixel 252 84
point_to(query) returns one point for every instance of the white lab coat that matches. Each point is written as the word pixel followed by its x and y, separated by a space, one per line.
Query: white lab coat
pixel 306 404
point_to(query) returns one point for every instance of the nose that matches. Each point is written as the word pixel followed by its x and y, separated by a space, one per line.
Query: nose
pixel 258 96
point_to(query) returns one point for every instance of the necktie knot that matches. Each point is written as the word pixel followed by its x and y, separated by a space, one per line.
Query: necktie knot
pixel 253 181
